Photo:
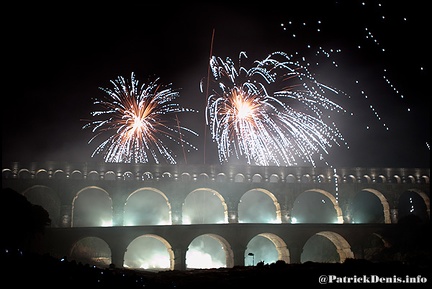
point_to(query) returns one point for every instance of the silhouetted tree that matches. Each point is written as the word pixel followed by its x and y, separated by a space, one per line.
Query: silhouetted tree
pixel 20 221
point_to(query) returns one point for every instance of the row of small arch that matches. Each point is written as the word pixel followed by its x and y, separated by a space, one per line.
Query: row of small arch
pixel 220 177
pixel 342 246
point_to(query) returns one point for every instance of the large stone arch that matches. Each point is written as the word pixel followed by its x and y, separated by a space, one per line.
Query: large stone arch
pixel 80 192
pixel 334 202
pixel 273 198
pixel 91 250
pixel 425 200
pixel 162 194
pixel 384 202
pixel 373 245
pixel 160 239
pixel 342 246
pixel 48 199
pixel 226 247
pixel 281 246
pixel 218 195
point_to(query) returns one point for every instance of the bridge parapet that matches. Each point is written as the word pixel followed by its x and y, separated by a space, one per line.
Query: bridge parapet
pixel 218 173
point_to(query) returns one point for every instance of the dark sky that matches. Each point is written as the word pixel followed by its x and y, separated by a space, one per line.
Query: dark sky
pixel 376 52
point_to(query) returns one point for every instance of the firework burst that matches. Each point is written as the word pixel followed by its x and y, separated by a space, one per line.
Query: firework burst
pixel 274 113
pixel 135 119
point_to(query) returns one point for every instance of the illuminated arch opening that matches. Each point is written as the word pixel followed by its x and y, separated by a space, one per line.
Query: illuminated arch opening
pixel 368 210
pixel 149 252
pixel 92 251
pixel 209 251
pixel 316 206
pixel 267 248
pixel 204 206
pixel 370 206
pixel 259 206
pixel 147 206
pixel 92 207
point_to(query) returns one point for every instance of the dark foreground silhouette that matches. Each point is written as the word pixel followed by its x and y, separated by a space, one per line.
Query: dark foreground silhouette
pixel 21 269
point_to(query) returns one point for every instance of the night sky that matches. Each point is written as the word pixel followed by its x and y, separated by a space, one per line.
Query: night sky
pixel 376 52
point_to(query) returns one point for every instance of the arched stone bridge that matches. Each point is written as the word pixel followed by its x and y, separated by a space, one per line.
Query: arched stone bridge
pixel 60 184
pixel 350 240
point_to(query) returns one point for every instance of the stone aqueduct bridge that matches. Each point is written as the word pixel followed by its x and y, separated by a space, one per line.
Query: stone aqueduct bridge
pixel 282 184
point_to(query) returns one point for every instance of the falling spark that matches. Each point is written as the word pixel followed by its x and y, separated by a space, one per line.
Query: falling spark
pixel 136 122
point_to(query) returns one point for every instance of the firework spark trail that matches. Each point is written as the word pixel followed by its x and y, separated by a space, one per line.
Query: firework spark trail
pixel 136 121
pixel 282 127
